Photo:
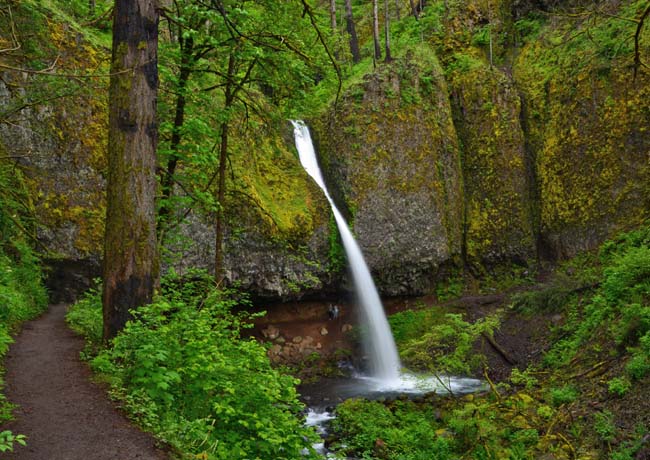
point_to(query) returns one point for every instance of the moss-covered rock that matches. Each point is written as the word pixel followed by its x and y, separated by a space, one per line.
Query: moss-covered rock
pixel 498 224
pixel 391 157
pixel 588 119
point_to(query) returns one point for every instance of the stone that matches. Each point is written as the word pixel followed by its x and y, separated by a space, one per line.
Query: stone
pixel 297 339
pixel 346 328
pixel 271 332
pixel 324 331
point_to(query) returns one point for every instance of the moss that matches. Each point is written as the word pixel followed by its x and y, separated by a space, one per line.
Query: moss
pixel 498 222
pixel 588 120
pixel 269 175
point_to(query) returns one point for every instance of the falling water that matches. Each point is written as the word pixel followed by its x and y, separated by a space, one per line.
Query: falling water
pixel 380 345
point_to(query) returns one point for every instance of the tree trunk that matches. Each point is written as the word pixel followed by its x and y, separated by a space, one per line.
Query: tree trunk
pixel 352 31
pixel 130 250
pixel 91 8
pixel 388 57
pixel 375 29
pixel 229 97
pixel 414 10
pixel 333 14
pixel 167 180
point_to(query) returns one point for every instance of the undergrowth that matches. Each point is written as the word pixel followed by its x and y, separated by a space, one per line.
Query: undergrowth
pixel 184 372
pixel 573 404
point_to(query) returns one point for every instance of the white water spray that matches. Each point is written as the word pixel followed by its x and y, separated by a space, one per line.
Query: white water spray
pixel 380 346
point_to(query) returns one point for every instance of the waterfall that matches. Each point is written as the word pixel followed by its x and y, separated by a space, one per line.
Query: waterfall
pixel 379 343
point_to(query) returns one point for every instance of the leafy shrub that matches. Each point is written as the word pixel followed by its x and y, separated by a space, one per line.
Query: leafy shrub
pixel 564 395
pixel 186 374
pixel 8 439
pixel 604 426
pixel 85 318
pixel 370 429
pixel 628 276
pixel 447 347
pixel 548 299
pixel 619 386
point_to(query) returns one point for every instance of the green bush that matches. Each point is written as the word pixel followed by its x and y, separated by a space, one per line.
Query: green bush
pixel 370 429
pixel 619 386
pixel 447 346
pixel 186 374
pixel 85 318
pixel 604 426
pixel 564 395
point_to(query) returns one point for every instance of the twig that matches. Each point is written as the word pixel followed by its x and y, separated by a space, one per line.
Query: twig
pixel 595 368
pixel 573 451
pixel 13 34
pixel 637 34
pixel 492 386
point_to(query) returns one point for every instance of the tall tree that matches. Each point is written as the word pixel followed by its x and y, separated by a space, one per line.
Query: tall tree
pixel 388 57
pixel 352 31
pixel 333 14
pixel 414 10
pixel 375 29
pixel 130 249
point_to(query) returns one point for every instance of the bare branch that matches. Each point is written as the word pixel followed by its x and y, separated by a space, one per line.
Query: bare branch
pixel 637 34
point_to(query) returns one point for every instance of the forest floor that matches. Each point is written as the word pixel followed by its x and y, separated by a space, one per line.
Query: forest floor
pixel 63 414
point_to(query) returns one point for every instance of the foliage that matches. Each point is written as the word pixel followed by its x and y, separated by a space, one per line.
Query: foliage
pixel 447 347
pixel 563 395
pixel 8 439
pixel 399 431
pixel 185 373
pixel 85 318
pixel 619 386
pixel 551 298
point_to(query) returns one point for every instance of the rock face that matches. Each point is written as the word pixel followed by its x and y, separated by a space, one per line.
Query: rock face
pixel 498 223
pixel 391 159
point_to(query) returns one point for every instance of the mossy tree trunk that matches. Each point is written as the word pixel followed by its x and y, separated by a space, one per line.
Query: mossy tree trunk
pixel 375 29
pixel 352 31
pixel 130 250
pixel 388 57
pixel 186 47
pixel 333 15
pixel 229 98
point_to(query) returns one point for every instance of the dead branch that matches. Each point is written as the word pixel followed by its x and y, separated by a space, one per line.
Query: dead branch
pixel 499 349
pixel 14 38
pixel 637 34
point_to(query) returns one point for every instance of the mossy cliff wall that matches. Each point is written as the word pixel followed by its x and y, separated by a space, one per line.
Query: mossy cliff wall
pixel 54 129
pixel 390 153
pixel 589 120
pixel 498 224
pixel 550 143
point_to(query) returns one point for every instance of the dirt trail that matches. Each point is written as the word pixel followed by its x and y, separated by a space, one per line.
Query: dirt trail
pixel 63 414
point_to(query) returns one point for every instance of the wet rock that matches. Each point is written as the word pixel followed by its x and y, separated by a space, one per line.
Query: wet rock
pixel 346 328
pixel 271 332
pixel 297 339
pixel 324 331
